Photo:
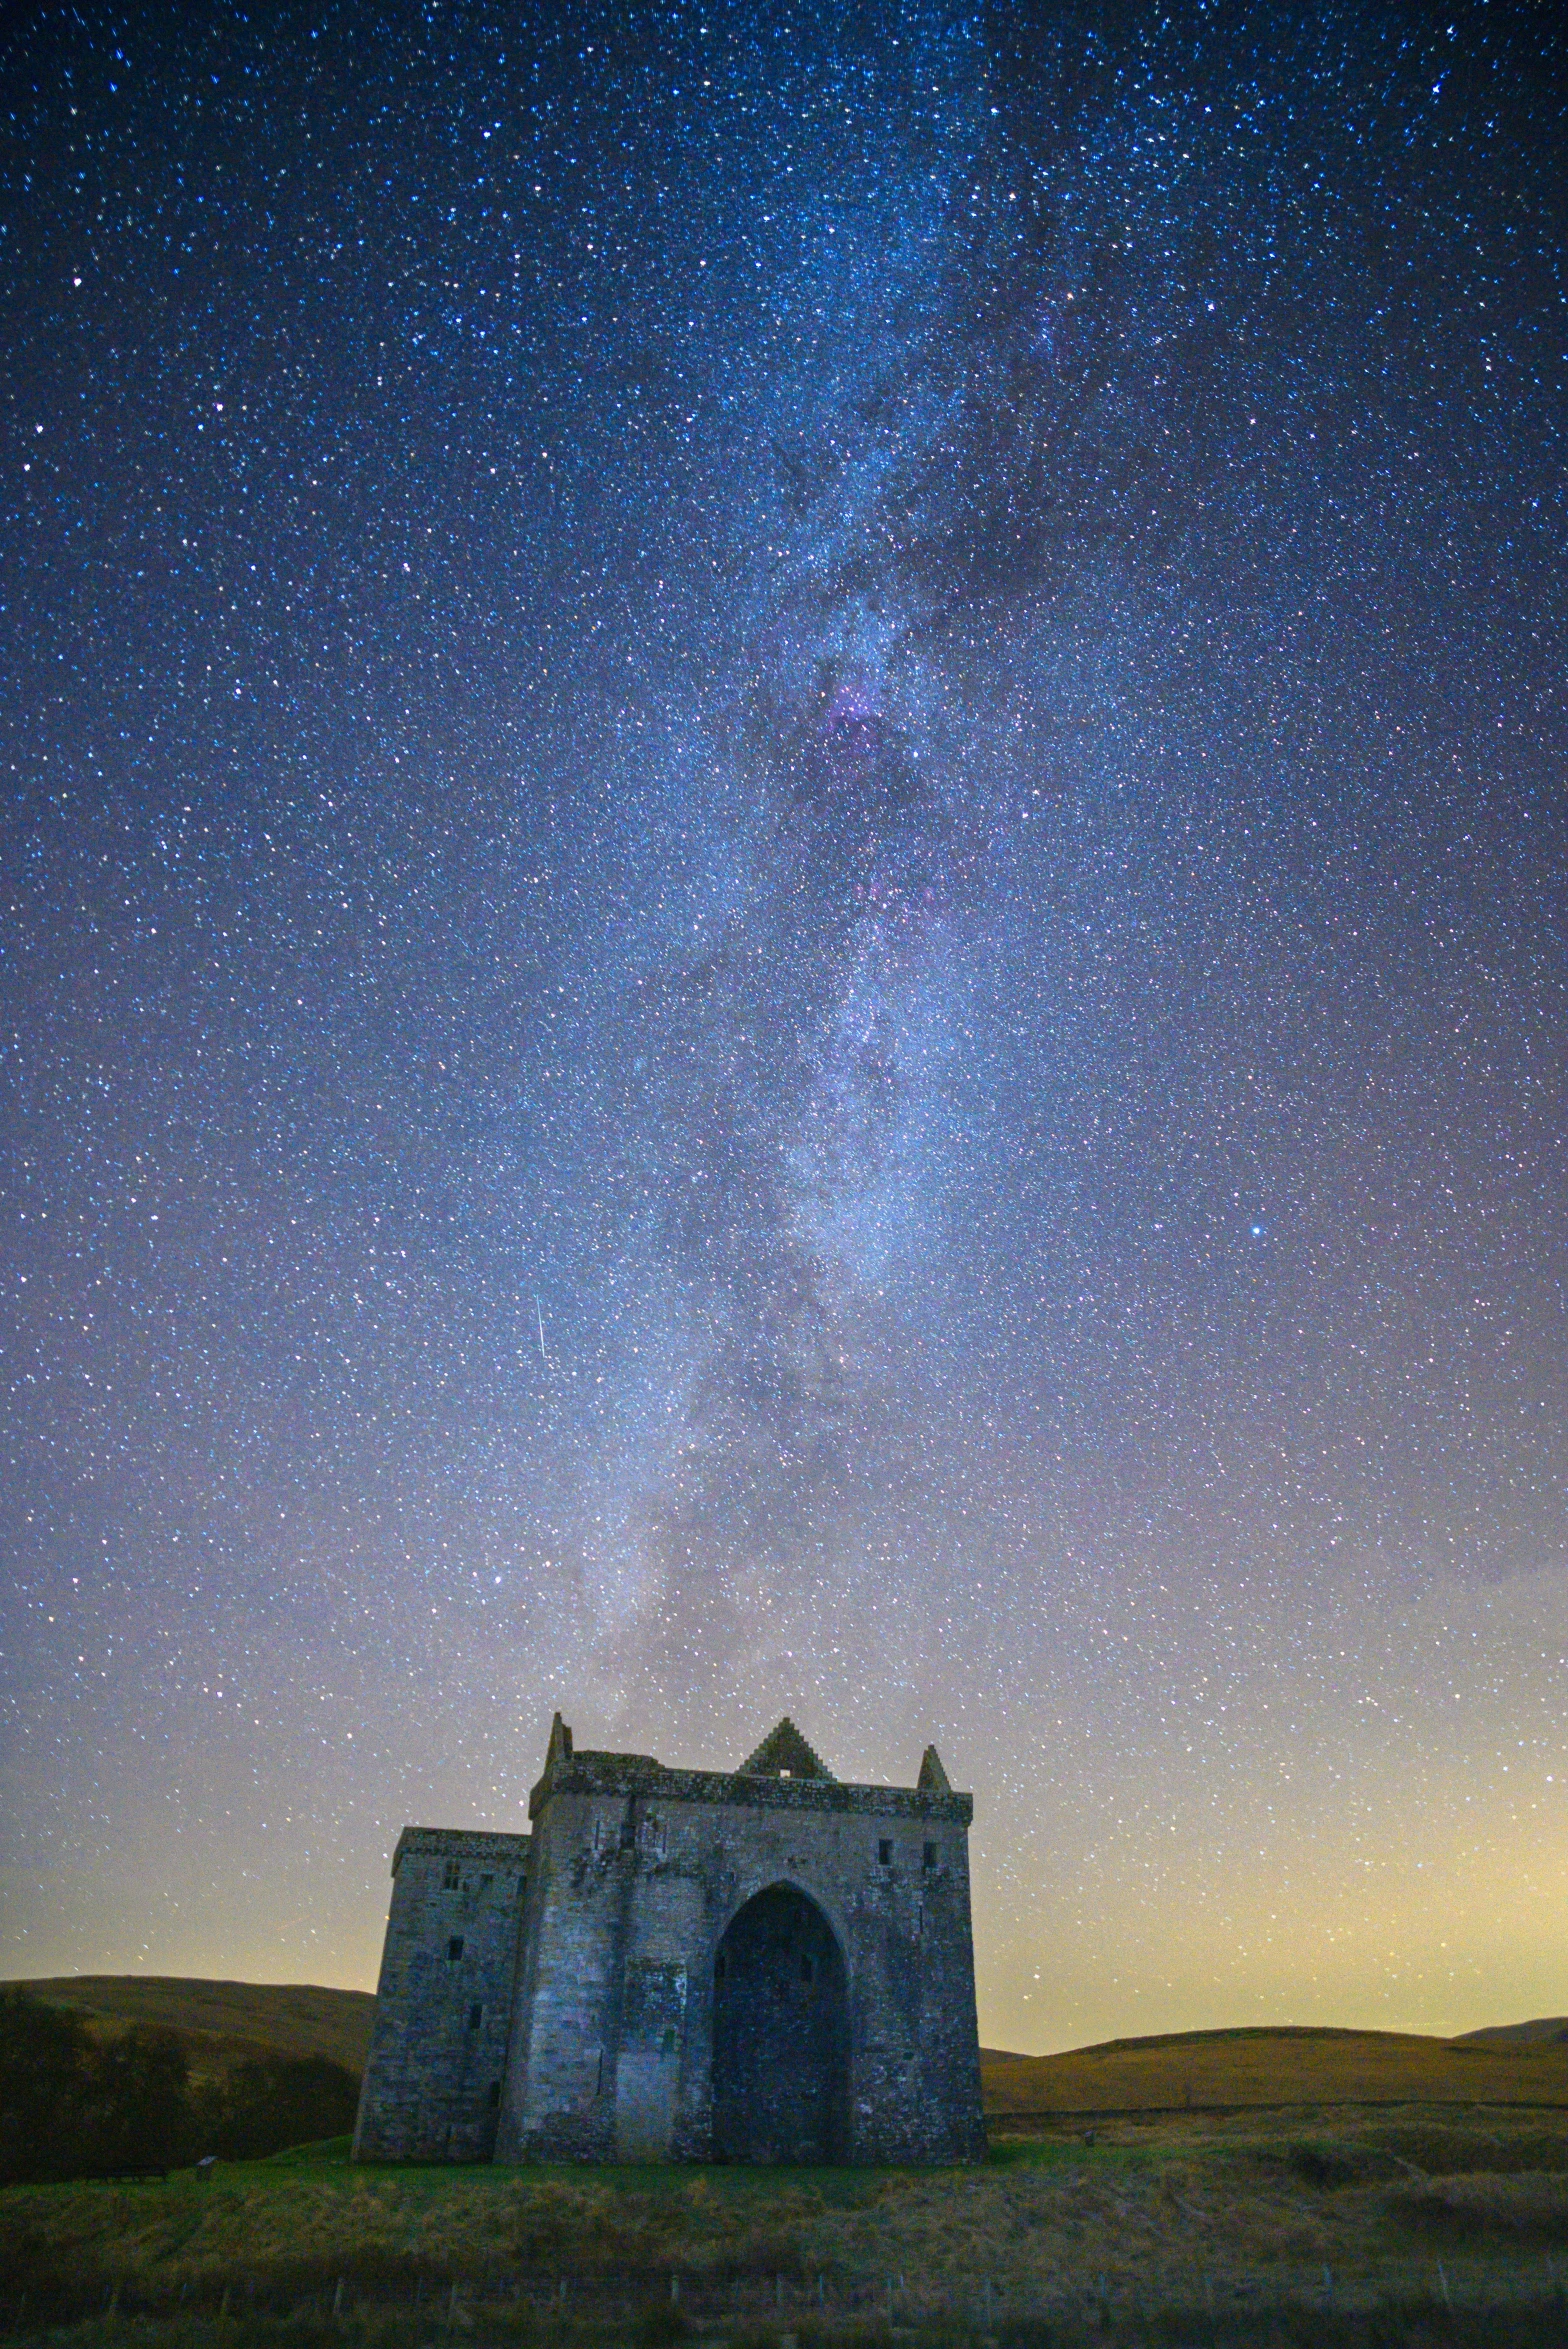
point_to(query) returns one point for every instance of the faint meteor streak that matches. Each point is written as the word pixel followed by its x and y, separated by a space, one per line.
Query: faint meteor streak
pixel 539 1310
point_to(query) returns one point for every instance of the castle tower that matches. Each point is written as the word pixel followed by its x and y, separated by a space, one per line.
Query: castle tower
pixel 753 1965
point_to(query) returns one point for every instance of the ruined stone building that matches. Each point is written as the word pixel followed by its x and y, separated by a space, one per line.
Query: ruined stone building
pixel 692 1965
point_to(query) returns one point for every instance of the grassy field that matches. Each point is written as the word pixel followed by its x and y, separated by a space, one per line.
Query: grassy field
pixel 1230 2220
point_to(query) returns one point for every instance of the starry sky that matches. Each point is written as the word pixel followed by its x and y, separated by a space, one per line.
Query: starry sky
pixel 785 873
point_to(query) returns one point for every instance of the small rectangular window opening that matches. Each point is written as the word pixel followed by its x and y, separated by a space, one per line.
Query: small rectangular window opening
pixel 885 1853
pixel 485 1883
pixel 476 2015
pixel 454 1949
pixel 449 1876
pixel 928 1856
pixel 495 2095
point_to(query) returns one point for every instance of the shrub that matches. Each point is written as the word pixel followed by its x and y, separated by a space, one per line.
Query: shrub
pixel 73 2106
pixel 271 2102
pixel 1524 2207
pixel 45 2073
pixel 138 2113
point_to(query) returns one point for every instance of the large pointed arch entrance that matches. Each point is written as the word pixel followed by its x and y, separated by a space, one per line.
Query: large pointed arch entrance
pixel 780 2034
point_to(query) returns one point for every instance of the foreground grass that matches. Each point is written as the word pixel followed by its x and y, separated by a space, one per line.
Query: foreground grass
pixel 1410 2323
pixel 1419 2221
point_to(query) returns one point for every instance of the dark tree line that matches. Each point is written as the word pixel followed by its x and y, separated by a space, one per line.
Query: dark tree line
pixel 73 2105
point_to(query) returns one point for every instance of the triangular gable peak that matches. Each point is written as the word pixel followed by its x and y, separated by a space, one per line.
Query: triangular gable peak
pixel 784 1753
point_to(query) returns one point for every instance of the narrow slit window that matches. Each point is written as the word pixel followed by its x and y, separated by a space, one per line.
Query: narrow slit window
pixel 476 2015
pixel 454 1949
pixel 885 1853
pixel 928 1856
pixel 495 2095
pixel 449 1876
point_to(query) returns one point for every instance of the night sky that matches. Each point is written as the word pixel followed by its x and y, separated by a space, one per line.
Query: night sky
pixel 785 879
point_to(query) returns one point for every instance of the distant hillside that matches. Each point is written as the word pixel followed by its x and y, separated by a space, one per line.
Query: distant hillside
pixel 1550 2030
pixel 1256 2065
pixel 222 2022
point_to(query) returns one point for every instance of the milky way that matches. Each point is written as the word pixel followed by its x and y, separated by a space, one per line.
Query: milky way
pixel 785 931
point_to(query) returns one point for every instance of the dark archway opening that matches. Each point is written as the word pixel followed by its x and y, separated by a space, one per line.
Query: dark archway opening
pixel 780 2035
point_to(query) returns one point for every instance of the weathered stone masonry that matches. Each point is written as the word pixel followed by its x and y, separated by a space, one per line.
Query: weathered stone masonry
pixel 757 1965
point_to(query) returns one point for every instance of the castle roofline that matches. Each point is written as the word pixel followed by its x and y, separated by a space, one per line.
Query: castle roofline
pixel 759 1784
pixel 469 1843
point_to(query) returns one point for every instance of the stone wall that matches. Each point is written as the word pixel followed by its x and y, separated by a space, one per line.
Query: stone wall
pixel 637 1872
pixel 438 2049
pixel 557 1996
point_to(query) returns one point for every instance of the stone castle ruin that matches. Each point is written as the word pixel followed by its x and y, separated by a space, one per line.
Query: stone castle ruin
pixel 683 1965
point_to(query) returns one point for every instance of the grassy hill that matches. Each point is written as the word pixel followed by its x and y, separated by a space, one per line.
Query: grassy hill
pixel 1261 2066
pixel 222 2022
pixel 1545 2030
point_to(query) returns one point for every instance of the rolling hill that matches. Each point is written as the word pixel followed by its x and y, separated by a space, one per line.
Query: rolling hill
pixel 1545 2031
pixel 1201 2070
pixel 222 2022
